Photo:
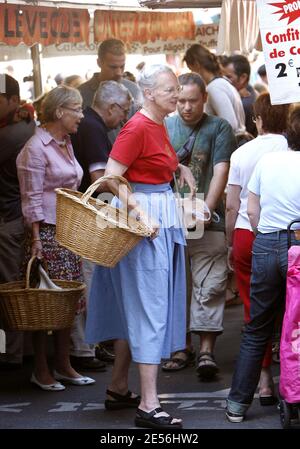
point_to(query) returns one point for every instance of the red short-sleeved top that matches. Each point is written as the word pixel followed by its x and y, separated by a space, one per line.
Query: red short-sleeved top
pixel 144 147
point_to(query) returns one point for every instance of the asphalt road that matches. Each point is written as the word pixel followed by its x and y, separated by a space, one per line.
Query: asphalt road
pixel 200 404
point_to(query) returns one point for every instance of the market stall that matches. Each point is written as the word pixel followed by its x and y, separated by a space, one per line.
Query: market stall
pixel 77 28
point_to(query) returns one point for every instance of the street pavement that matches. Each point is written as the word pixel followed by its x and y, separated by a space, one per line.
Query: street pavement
pixel 200 404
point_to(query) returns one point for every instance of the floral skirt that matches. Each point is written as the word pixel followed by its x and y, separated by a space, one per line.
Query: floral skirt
pixel 61 262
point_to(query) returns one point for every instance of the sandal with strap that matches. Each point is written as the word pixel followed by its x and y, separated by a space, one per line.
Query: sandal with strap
pixel 149 420
pixel 188 359
pixel 207 367
pixel 121 401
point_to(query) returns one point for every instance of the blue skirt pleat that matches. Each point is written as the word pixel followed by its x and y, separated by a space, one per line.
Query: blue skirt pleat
pixel 143 298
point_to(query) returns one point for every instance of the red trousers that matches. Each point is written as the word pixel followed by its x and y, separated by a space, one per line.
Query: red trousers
pixel 242 258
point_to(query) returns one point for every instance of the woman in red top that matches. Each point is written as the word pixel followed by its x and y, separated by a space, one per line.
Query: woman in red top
pixel 141 302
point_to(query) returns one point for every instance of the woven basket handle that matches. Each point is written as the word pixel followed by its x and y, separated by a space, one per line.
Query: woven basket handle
pixel 93 187
pixel 29 266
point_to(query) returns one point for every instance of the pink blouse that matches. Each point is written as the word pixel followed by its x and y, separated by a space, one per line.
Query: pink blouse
pixel 42 167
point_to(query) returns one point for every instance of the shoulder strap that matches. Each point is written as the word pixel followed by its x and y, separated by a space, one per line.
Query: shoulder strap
pixel 193 135
pixel 199 124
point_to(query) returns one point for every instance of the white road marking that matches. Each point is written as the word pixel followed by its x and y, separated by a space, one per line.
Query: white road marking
pixel 11 407
pixel 66 407
pixel 94 406
pixel 215 400
pixel 212 394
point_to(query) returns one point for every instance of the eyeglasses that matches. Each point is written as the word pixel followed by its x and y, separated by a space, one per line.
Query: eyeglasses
pixel 172 90
pixel 126 111
pixel 76 110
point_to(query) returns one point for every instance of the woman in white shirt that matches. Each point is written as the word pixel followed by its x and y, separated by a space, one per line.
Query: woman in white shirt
pixel 271 122
pixel 273 203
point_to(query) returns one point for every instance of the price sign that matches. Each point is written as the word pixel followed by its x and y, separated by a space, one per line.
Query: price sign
pixel 280 34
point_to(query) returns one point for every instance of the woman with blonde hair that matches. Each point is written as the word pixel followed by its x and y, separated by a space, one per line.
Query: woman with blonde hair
pixel 46 162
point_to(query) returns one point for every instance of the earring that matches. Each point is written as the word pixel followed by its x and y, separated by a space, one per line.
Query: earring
pixel 59 115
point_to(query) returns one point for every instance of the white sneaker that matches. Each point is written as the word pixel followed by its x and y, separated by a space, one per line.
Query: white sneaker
pixel 234 417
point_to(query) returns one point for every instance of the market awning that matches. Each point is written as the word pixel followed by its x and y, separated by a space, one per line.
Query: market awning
pixel 160 4
pixel 239 27
pixel 46 26
pixel 143 26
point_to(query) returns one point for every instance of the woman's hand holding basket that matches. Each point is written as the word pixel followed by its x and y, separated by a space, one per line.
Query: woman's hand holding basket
pixel 37 248
pixel 141 216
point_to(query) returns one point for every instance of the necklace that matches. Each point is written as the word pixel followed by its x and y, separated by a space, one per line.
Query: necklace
pixel 61 143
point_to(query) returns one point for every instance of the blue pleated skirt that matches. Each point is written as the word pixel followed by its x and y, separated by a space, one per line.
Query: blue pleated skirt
pixel 143 298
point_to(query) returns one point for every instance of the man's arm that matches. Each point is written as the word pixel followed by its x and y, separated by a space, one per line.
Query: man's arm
pixel 253 210
pixel 217 185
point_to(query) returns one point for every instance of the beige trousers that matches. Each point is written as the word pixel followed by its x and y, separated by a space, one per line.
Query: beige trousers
pixel 208 262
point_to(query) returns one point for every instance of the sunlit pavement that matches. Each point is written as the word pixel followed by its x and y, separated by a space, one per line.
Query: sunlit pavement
pixel 200 404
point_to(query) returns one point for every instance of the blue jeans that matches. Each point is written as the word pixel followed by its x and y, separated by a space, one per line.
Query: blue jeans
pixel 267 293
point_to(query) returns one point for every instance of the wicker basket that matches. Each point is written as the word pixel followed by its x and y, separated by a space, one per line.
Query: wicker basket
pixel 93 229
pixel 31 309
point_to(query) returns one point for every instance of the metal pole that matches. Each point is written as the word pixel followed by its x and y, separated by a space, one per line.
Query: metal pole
pixel 37 76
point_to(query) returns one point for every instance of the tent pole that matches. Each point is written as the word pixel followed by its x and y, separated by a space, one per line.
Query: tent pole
pixel 37 77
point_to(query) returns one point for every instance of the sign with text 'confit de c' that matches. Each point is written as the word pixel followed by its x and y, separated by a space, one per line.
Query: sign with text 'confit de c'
pixel 143 26
pixel 35 24
pixel 280 34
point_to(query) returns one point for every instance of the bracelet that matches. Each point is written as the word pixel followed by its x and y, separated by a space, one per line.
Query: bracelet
pixel 36 240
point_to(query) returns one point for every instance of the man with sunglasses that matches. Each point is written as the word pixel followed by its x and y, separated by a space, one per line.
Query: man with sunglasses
pixel 110 107
pixel 205 143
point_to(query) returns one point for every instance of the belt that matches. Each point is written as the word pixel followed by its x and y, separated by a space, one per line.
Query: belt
pixel 280 231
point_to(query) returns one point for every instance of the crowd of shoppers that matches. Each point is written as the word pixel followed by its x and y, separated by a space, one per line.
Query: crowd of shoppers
pixel 173 284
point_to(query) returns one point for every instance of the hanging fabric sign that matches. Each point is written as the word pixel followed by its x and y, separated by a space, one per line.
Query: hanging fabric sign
pixel 280 34
pixel 46 26
pixel 143 26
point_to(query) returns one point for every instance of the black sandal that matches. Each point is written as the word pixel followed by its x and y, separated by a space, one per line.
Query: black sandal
pixel 179 363
pixel 121 401
pixel 150 421
pixel 207 367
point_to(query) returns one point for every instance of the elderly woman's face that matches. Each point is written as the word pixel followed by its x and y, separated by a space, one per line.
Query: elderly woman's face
pixel 166 92
pixel 70 117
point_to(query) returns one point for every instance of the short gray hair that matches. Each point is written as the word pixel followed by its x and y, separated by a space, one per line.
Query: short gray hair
pixel 148 77
pixel 110 92
pixel 58 97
